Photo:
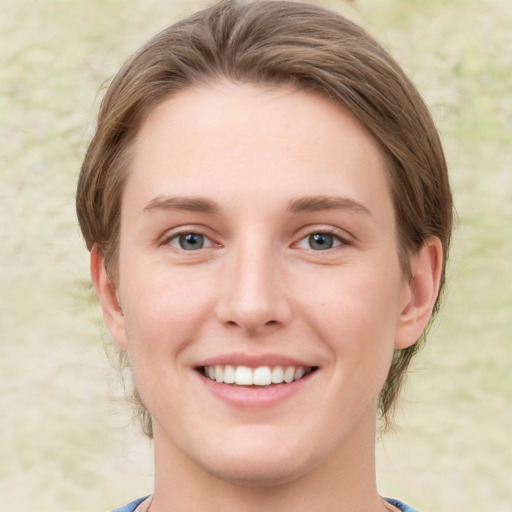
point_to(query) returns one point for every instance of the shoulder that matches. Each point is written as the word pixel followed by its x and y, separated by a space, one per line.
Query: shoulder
pixel 131 506
pixel 401 505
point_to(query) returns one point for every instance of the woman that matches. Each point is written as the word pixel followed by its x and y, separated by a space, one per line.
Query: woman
pixel 268 212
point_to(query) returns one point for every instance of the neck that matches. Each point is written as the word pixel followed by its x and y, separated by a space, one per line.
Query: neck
pixel 345 482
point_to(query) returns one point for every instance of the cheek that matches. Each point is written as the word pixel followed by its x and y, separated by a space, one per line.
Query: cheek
pixel 356 310
pixel 163 309
pixel 352 297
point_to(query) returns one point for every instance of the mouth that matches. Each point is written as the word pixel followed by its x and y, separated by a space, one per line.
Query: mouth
pixel 260 376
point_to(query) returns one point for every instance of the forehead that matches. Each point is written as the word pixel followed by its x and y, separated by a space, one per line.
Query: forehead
pixel 231 141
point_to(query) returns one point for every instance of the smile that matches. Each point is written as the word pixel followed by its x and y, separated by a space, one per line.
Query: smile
pixel 260 376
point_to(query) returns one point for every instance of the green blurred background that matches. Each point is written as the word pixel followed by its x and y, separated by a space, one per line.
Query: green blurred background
pixel 66 442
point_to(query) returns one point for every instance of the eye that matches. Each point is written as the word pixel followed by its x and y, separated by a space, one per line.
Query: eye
pixel 190 241
pixel 320 241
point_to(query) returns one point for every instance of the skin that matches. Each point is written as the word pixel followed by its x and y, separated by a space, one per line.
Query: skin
pixel 258 288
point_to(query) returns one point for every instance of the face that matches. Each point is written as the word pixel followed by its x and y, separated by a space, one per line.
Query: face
pixel 260 293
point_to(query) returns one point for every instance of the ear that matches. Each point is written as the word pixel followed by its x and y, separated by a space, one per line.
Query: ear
pixel 107 295
pixel 420 292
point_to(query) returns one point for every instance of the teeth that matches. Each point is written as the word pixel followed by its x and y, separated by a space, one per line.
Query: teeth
pixel 277 375
pixel 289 374
pixel 229 374
pixel 299 373
pixel 243 376
pixel 261 376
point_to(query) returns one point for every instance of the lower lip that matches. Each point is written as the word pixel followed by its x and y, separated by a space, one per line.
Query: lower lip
pixel 255 396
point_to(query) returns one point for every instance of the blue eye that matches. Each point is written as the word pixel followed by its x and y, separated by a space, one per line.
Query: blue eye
pixel 189 241
pixel 321 241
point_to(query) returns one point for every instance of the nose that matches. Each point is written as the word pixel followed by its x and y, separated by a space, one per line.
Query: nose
pixel 253 297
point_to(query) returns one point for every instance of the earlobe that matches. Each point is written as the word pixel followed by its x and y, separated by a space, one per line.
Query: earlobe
pixel 107 295
pixel 422 291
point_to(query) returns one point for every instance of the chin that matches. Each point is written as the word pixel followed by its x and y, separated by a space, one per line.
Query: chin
pixel 257 462
pixel 254 473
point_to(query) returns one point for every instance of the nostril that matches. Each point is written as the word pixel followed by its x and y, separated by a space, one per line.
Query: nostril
pixel 251 324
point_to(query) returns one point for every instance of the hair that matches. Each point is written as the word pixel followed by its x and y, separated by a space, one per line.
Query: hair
pixel 275 43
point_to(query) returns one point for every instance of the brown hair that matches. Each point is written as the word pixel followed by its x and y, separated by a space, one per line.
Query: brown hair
pixel 275 43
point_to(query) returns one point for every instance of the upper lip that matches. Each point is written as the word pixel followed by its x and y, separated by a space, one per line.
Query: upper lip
pixel 253 361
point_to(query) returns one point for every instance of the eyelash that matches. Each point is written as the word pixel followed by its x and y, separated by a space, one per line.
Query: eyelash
pixel 180 239
pixel 338 240
pixel 183 234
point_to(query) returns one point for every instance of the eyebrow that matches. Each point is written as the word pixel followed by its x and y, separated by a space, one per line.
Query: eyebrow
pixel 189 204
pixel 302 205
pixel 319 203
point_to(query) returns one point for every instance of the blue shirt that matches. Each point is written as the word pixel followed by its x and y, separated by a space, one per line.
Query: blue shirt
pixel 133 505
